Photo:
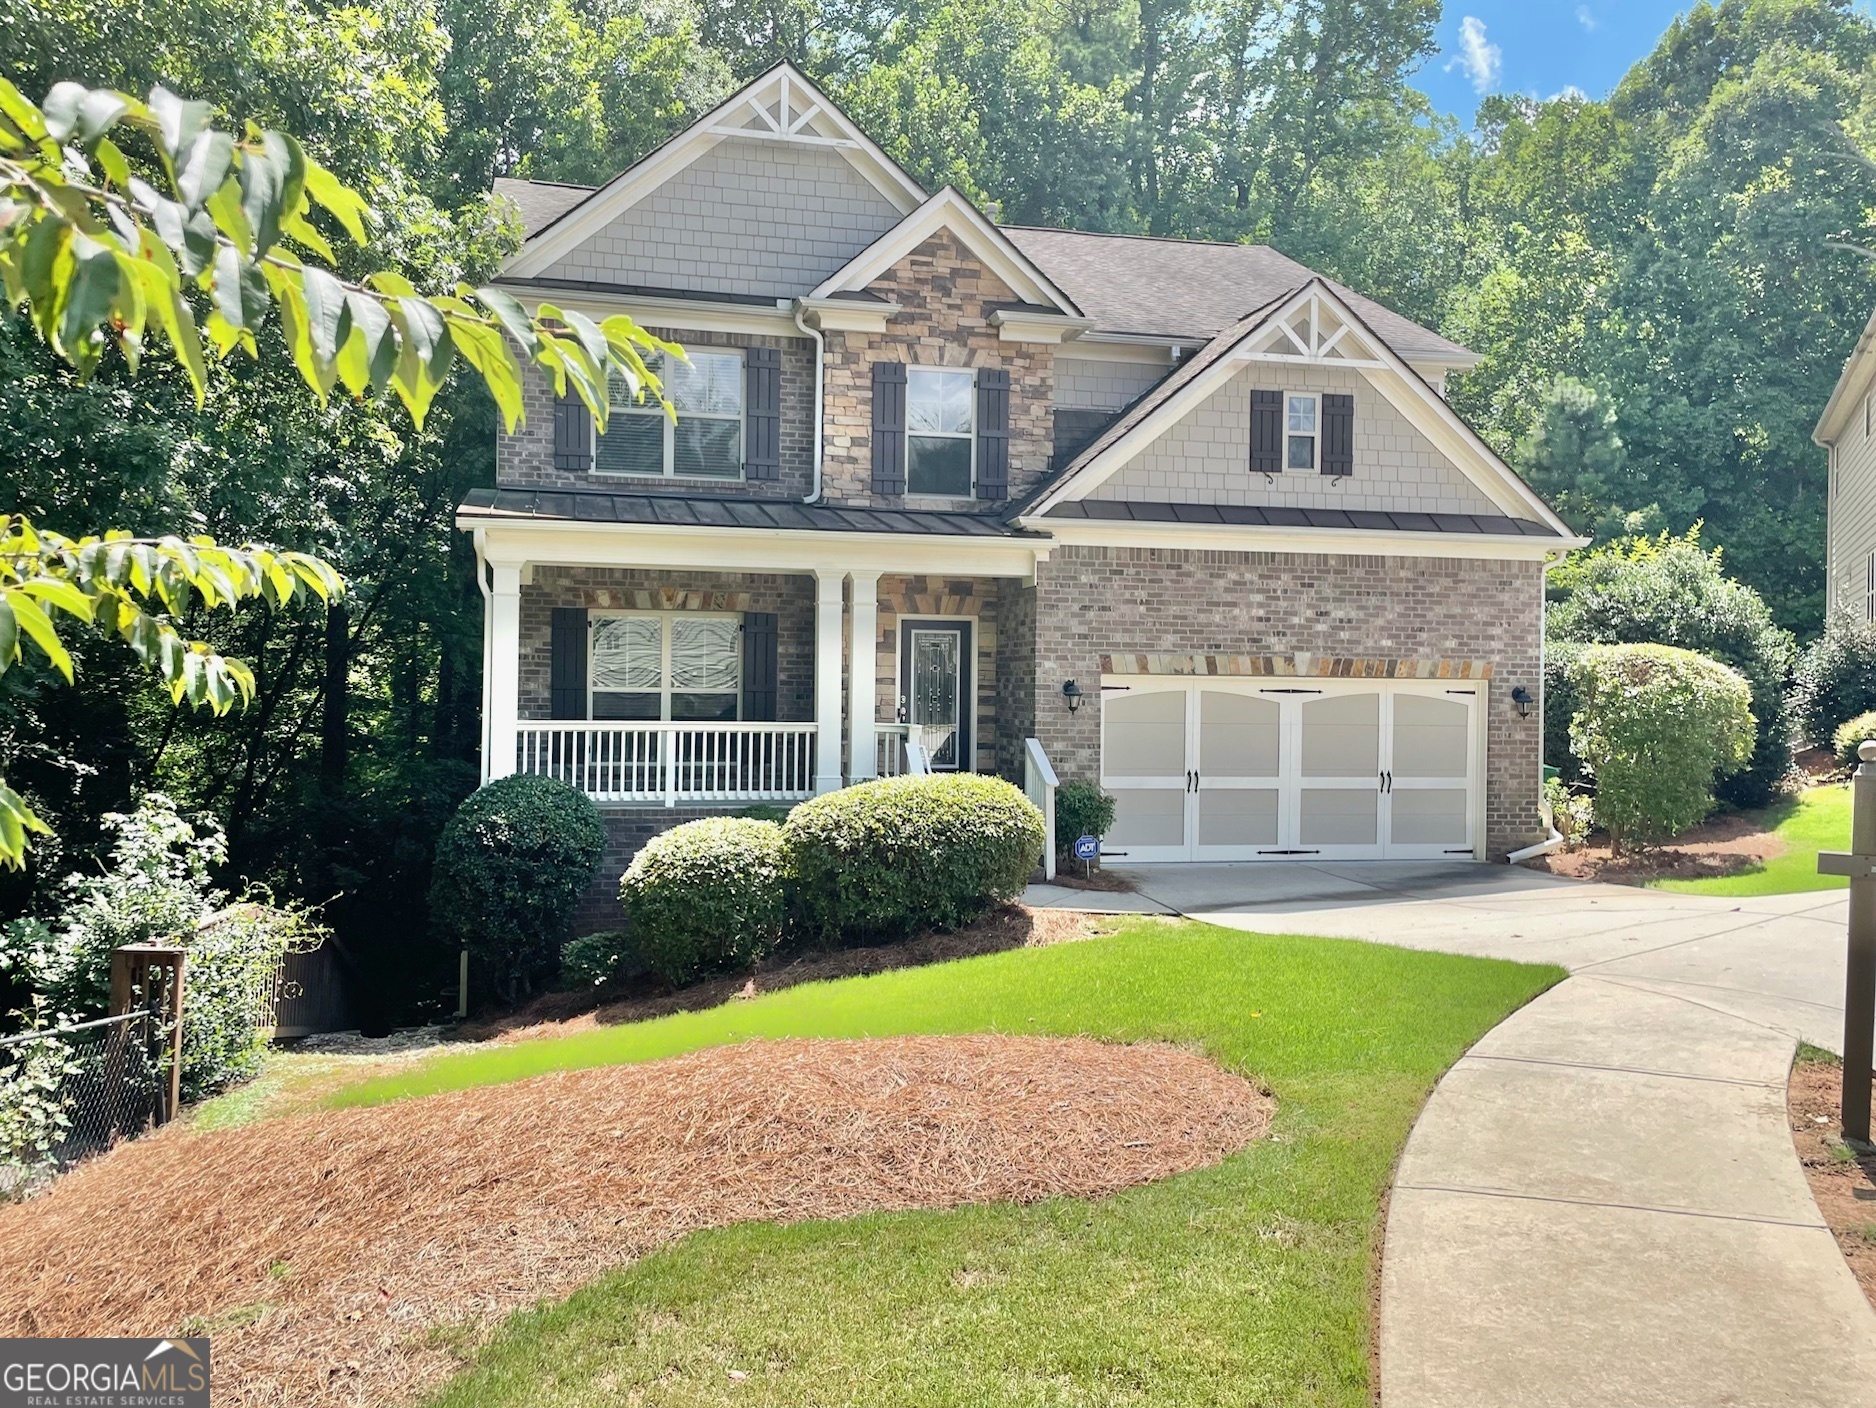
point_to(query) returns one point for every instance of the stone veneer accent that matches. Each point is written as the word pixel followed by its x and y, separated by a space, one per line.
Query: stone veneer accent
pixel 790 597
pixel 1094 602
pixel 947 296
pixel 525 459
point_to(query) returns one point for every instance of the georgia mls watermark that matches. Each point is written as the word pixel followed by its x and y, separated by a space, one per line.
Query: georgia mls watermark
pixel 104 1373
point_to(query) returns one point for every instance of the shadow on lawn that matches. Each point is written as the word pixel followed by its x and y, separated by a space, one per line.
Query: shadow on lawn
pixel 638 999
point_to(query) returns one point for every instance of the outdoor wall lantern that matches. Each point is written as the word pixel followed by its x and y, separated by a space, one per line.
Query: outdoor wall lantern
pixel 1524 699
pixel 1072 693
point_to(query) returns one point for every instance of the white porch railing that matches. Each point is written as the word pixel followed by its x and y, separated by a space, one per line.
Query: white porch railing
pixel 1040 784
pixel 900 750
pixel 649 764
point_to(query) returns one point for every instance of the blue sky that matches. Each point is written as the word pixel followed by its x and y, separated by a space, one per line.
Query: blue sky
pixel 1539 47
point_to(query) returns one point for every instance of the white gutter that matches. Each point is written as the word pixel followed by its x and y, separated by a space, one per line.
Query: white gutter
pixel 820 361
pixel 1542 848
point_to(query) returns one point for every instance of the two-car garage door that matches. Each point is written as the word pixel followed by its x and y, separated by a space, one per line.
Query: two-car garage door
pixel 1255 769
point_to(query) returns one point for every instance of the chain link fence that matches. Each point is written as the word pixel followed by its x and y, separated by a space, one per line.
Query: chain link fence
pixel 69 1092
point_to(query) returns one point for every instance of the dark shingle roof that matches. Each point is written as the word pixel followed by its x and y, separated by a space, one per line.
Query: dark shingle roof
pixel 697 511
pixel 540 202
pixel 1279 516
pixel 1191 288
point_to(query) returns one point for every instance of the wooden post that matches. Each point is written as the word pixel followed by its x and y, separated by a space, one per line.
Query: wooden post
pixel 1859 1001
pixel 150 976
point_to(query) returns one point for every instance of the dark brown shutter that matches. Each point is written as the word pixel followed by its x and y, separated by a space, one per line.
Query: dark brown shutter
pixel 888 428
pixel 573 434
pixel 993 433
pixel 1338 434
pixel 566 667
pixel 762 413
pixel 761 667
pixel 1266 432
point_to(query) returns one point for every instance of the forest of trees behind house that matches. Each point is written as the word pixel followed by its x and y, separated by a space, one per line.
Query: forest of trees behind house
pixel 1663 285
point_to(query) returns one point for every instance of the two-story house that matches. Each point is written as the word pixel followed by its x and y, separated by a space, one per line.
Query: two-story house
pixel 1187 520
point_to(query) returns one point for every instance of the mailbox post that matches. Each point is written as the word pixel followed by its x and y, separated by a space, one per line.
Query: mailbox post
pixel 1859 998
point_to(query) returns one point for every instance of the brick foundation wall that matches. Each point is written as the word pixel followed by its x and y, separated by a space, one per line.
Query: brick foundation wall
pixel 627 830
pixel 1092 601
pixel 790 597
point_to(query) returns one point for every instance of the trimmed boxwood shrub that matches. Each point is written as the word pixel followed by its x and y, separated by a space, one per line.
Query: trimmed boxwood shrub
pixel 1835 679
pixel 882 859
pixel 1081 809
pixel 1674 591
pixel 1655 726
pixel 1560 706
pixel 706 896
pixel 511 866
pixel 1849 736
pixel 593 960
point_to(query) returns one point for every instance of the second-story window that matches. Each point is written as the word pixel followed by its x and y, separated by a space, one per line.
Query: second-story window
pixel 1300 433
pixel 939 428
pixel 706 442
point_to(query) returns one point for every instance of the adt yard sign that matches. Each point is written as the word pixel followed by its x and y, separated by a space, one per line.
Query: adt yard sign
pixel 1087 848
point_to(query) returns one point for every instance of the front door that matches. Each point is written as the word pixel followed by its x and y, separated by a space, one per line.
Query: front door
pixel 934 689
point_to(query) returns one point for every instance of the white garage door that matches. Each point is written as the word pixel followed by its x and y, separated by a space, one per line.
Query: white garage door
pixel 1221 769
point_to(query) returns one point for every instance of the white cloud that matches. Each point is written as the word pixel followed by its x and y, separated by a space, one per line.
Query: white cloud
pixel 1480 59
pixel 1569 90
pixel 1585 18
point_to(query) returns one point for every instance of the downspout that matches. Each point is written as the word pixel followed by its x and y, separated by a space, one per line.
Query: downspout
pixel 1555 837
pixel 820 360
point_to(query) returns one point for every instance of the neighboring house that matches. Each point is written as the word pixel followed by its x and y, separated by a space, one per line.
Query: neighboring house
pixel 1845 430
pixel 1188 519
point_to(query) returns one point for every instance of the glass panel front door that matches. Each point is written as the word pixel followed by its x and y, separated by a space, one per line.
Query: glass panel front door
pixel 933 663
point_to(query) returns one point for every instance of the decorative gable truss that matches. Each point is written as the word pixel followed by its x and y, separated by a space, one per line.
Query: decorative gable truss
pixel 1310 327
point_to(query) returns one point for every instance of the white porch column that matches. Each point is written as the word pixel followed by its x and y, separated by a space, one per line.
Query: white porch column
pixel 504 671
pixel 827 642
pixel 862 666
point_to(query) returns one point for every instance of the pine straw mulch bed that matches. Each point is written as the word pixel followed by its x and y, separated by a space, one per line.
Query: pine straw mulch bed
pixel 1009 926
pixel 331 1256
pixel 1724 845
pixel 1842 1181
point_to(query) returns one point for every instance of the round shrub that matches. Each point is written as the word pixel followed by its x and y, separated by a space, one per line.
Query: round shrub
pixel 882 859
pixel 1673 591
pixel 707 895
pixel 511 866
pixel 1654 726
pixel 1845 740
pixel 593 960
pixel 1081 809
pixel 1835 679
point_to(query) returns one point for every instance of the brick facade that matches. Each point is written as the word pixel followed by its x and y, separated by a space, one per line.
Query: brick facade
pixel 525 459
pixel 947 297
pixel 1091 602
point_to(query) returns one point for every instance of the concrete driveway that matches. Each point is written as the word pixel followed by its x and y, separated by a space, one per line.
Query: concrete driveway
pixel 1776 960
pixel 1600 1204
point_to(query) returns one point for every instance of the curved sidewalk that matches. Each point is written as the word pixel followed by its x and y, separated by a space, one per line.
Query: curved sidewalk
pixel 1600 1206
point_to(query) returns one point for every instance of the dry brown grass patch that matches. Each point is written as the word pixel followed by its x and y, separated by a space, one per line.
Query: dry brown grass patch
pixel 324 1251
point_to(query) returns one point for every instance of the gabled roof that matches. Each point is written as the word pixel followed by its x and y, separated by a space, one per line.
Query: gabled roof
pixel 1292 320
pixel 540 202
pixel 949 210
pixel 781 105
pixel 1195 289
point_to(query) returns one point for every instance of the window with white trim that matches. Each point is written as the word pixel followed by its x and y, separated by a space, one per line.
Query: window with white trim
pixel 667 665
pixel 1302 433
pixel 705 441
pixel 940 431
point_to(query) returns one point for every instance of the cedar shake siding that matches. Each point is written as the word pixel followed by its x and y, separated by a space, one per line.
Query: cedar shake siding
pixel 1092 601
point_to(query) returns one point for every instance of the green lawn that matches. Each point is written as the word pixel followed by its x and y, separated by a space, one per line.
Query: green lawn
pixel 1813 821
pixel 1248 1283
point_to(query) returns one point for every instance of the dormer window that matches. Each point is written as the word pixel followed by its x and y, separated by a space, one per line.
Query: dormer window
pixel 706 442
pixel 1301 436
pixel 939 432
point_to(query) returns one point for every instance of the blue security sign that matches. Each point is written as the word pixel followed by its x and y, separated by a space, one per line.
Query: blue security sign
pixel 1087 848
